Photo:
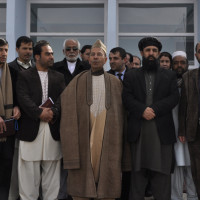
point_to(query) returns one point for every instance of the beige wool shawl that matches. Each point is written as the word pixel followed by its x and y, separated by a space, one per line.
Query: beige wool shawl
pixel 6 93
pixel 67 107
pixel 75 133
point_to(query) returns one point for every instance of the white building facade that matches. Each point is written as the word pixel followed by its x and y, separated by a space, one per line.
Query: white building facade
pixel 116 22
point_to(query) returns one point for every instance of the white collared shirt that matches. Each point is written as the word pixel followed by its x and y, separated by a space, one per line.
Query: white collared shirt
pixel 71 66
pixel 24 65
pixel 122 77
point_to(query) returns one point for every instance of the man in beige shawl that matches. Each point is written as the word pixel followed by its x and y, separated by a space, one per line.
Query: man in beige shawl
pixel 91 131
pixel 7 111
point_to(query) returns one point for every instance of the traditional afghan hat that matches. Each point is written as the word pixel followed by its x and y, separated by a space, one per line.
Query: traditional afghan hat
pixel 149 41
pixel 179 53
pixel 99 44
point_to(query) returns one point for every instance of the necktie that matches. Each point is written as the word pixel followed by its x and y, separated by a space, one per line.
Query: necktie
pixel 119 76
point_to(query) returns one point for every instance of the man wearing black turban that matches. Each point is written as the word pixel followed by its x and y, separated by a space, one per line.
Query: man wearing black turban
pixel 150 93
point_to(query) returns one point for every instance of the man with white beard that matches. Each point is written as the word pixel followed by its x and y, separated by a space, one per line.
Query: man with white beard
pixel 70 66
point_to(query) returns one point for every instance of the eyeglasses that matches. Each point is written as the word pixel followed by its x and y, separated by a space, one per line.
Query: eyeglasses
pixel 181 62
pixel 73 48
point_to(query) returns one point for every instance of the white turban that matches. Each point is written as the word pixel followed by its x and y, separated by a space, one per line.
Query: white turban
pixel 179 53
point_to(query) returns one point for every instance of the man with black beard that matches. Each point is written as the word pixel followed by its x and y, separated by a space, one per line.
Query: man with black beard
pixel 150 93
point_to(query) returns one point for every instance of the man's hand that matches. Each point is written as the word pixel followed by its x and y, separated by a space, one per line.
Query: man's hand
pixel 182 139
pixel 148 114
pixel 16 113
pixel 2 125
pixel 46 115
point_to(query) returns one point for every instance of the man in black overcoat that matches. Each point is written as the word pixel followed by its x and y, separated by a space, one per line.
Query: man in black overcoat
pixel 150 94
pixel 71 65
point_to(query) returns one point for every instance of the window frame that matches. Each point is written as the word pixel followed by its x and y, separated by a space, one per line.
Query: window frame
pixel 66 34
pixel 194 34
pixel 3 34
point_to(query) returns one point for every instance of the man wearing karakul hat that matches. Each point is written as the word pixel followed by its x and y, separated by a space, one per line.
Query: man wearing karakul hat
pixel 91 135
pixel 150 93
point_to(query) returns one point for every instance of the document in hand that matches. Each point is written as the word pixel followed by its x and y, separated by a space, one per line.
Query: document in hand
pixel 11 127
pixel 48 103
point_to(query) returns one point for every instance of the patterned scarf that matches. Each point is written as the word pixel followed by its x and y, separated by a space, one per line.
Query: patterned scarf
pixel 179 82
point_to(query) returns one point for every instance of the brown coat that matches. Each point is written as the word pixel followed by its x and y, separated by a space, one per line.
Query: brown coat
pixel 75 133
pixel 188 107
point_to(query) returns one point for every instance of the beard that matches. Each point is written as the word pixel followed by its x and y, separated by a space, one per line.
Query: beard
pixel 150 63
pixel 180 71
pixel 71 59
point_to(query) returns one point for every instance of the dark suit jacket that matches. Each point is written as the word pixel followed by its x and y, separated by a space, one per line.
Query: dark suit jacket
pixel 62 67
pixel 165 98
pixel 113 72
pixel 29 94
pixel 189 104
pixel 15 68
pixel 13 77
pixel 126 153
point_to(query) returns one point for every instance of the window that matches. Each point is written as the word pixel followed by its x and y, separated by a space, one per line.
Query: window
pixel 2 20
pixel 173 24
pixel 84 22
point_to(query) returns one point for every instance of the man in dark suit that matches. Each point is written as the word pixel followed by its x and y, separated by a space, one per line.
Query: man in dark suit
pixel 24 48
pixel 39 146
pixel 150 93
pixel 71 65
pixel 189 121
pixel 85 52
pixel 117 58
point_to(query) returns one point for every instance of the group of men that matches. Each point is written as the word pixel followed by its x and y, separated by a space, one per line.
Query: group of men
pixel 98 124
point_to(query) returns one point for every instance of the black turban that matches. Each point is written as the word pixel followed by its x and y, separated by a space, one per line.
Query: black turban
pixel 149 41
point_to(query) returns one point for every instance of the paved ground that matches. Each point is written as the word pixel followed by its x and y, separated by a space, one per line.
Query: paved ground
pixel 184 197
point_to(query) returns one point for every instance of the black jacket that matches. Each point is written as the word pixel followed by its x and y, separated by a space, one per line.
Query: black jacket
pixel 29 94
pixel 62 67
pixel 15 68
pixel 165 98
pixel 113 72
pixel 14 64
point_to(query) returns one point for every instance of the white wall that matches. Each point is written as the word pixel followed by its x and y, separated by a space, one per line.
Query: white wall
pixel 15 24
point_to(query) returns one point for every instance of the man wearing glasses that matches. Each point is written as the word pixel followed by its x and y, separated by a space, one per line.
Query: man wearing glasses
pixel 71 65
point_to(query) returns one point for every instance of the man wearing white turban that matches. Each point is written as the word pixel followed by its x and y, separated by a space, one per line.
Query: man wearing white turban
pixel 182 171
pixel 189 123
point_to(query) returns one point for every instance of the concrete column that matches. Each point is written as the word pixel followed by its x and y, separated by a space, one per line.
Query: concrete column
pixel 111 26
pixel 198 12
pixel 15 24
